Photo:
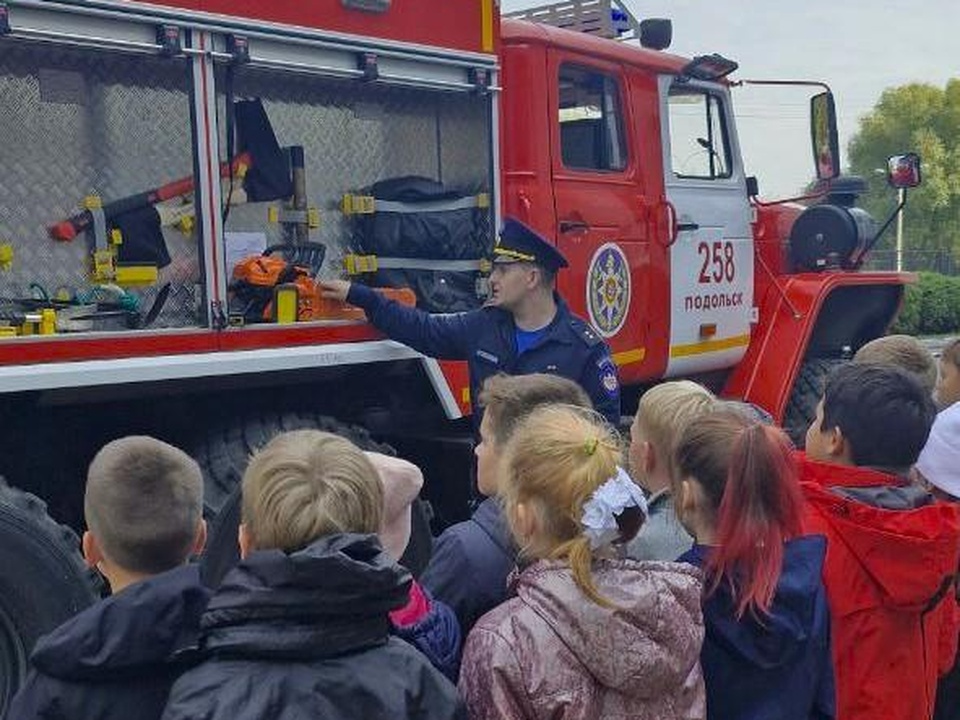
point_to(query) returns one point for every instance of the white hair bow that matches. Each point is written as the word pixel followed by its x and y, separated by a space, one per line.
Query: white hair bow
pixel 600 512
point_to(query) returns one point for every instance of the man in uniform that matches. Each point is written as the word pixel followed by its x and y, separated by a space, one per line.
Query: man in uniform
pixel 525 326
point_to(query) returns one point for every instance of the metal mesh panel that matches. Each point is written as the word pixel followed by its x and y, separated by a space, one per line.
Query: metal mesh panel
pixel 76 123
pixel 354 135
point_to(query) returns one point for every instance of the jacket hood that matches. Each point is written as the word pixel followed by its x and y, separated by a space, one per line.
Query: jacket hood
pixel 647 644
pixel 332 597
pixel 908 552
pixel 778 638
pixel 139 627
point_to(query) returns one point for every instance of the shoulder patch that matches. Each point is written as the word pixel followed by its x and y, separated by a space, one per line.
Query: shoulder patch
pixel 609 380
pixel 585 332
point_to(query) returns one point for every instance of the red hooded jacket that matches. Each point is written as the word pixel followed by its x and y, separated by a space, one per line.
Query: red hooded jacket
pixel 891 552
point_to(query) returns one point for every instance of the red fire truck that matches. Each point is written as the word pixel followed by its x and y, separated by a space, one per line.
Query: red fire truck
pixel 176 172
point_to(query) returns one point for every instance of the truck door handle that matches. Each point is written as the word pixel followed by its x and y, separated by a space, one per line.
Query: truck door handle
pixel 571 225
pixel 686 226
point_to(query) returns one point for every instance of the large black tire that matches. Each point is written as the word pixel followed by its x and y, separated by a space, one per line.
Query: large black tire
pixel 223 458
pixel 43 583
pixel 224 453
pixel 806 393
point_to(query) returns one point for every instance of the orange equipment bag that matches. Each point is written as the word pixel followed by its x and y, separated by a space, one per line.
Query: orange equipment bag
pixel 254 279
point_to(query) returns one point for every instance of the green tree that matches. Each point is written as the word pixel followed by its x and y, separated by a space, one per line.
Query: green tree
pixel 926 120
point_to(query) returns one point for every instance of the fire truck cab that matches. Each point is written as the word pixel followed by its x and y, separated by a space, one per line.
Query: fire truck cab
pixel 629 157
pixel 639 178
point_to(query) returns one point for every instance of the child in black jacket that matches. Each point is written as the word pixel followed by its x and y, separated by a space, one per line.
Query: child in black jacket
pixel 300 628
pixel 117 659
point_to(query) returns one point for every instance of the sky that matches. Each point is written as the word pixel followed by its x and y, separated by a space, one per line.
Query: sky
pixel 845 43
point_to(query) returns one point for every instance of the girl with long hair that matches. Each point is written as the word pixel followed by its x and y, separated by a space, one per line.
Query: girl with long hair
pixel 586 634
pixel 767 647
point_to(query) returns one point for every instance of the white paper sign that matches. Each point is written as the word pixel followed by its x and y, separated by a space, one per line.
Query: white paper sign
pixel 238 245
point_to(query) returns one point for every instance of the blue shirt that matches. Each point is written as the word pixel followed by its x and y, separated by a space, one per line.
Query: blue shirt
pixel 526 339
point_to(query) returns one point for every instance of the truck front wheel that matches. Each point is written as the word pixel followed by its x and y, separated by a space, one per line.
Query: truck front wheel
pixel 44 583
pixel 807 391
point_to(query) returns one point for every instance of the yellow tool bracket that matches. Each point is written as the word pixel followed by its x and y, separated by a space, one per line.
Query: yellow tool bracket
pixel 6 256
pixel 360 264
pixel 310 216
pixel 358 205
pixel 105 268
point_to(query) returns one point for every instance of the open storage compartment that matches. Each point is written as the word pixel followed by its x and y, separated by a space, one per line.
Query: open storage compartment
pixel 89 124
pixel 397 181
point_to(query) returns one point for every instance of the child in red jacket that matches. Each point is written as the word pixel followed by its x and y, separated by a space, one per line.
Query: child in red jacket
pixel 892 548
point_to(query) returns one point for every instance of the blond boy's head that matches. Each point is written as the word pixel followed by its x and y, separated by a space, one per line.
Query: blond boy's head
pixel 904 352
pixel 306 484
pixel 143 505
pixel 662 415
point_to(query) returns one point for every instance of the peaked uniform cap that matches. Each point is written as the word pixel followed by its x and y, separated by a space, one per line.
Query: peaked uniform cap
pixel 518 243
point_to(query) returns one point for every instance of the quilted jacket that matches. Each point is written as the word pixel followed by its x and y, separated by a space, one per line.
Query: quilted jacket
pixel 550 652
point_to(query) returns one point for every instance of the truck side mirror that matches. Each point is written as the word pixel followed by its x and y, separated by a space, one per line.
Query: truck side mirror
pixel 903 171
pixel 656 33
pixel 823 135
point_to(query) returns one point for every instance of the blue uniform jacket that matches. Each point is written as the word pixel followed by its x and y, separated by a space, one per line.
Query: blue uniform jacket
pixel 778 666
pixel 470 564
pixel 486 339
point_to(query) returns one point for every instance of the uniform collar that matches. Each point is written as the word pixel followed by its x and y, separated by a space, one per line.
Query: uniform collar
pixel 553 330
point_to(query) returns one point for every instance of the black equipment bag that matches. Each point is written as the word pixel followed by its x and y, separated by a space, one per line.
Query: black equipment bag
pixel 418 218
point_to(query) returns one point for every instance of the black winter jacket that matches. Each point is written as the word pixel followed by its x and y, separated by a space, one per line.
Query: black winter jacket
pixel 113 660
pixel 306 635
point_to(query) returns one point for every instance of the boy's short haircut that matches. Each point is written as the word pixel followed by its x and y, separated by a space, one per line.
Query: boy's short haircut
pixel 306 484
pixel 144 503
pixel 904 352
pixel 951 353
pixel 882 411
pixel 510 398
pixel 666 409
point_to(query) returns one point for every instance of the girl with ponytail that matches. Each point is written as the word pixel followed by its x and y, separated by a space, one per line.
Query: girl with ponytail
pixel 586 633
pixel 767 648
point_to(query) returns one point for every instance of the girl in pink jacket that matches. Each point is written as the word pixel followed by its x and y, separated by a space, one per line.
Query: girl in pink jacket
pixel 587 634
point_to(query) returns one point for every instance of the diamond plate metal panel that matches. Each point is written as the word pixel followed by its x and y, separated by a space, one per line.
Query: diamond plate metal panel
pixel 465 143
pixel 355 134
pixel 76 123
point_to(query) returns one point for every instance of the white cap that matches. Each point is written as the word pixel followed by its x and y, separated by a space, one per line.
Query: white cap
pixel 401 482
pixel 939 462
